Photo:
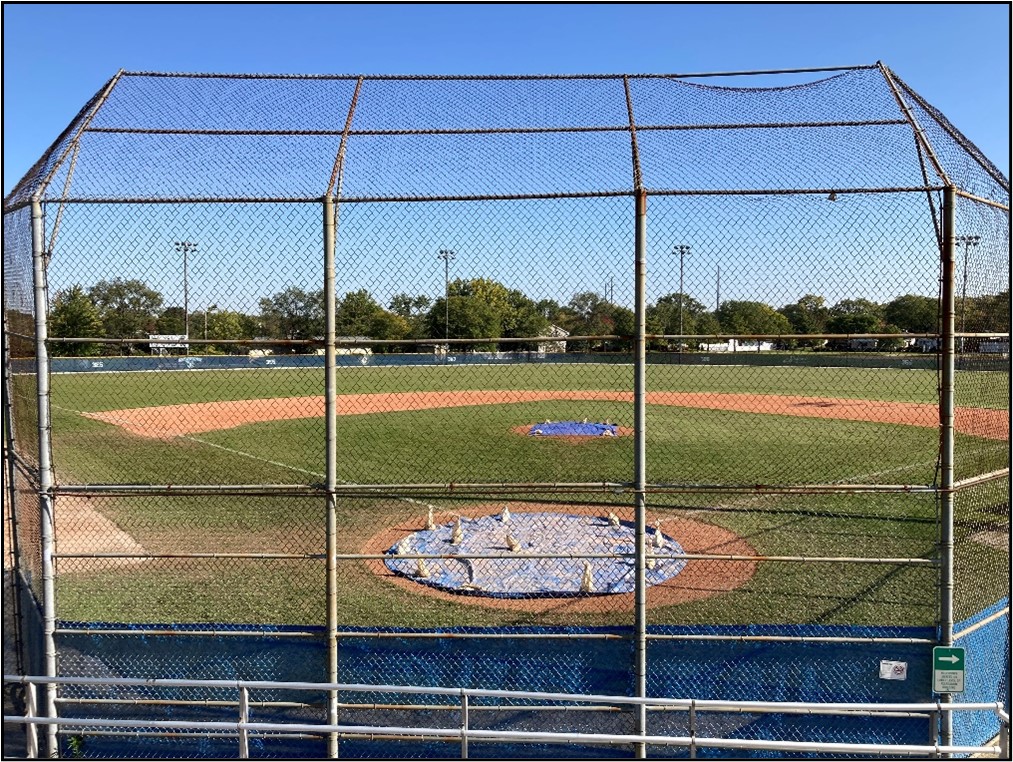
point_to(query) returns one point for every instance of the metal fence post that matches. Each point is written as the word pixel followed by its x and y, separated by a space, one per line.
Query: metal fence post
pixel 640 461
pixel 464 724
pixel 331 415
pixel 11 499
pixel 946 441
pixel 45 466
pixel 244 717
pixel 32 730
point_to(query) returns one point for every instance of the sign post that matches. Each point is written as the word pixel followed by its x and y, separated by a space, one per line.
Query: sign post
pixel 948 669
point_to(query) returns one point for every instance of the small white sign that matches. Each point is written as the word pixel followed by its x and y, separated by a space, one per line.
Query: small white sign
pixel 892 670
pixel 167 340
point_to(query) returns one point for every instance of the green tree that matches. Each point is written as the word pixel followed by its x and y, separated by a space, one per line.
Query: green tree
pixel 230 326
pixel 74 315
pixel 354 313
pixel 808 315
pixel 390 327
pixel 751 318
pixel 414 310
pixel 663 316
pixel 171 322
pixel 912 313
pixel 590 314
pixel 128 308
pixel 854 316
pixel 293 314
pixel 464 317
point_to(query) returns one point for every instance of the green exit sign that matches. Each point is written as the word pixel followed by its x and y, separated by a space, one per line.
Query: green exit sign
pixel 947 669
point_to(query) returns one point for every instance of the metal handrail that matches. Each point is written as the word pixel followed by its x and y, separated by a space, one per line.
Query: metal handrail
pixel 242 727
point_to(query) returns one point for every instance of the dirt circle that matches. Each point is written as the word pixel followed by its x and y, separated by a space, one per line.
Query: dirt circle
pixel 700 579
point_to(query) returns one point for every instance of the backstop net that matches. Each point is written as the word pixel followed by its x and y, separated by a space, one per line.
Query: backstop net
pixel 644 385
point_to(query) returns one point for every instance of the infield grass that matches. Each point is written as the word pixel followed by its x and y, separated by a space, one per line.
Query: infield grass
pixel 685 446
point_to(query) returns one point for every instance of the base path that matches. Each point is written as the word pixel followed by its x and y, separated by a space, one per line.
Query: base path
pixel 171 421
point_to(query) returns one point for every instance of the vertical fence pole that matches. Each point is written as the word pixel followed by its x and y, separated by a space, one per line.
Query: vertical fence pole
pixel 331 415
pixel 640 461
pixel 11 500
pixel 946 440
pixel 45 467
pixel 692 729
pixel 32 740
pixel 244 717
pixel 464 724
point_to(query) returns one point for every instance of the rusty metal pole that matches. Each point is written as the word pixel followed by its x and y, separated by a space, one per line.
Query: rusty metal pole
pixel 640 462
pixel 48 525
pixel 331 454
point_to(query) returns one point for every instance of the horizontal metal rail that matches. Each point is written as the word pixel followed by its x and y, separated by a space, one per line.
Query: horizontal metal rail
pixel 762 707
pixel 974 481
pixel 493 77
pixel 1004 612
pixel 464 489
pixel 510 736
pixel 507 635
pixel 527 130
pixel 612 193
pixel 208 633
pixel 464 734
pixel 429 342
pixel 509 557
pixel 980 200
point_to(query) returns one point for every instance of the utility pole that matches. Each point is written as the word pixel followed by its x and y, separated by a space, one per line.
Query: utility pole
pixel 206 311
pixel 682 250
pixel 446 255
pixel 969 242
pixel 185 247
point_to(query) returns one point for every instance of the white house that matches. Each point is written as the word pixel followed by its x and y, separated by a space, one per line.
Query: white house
pixel 553 347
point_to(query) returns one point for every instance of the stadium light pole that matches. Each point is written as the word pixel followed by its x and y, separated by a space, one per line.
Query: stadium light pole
pixel 682 250
pixel 446 255
pixel 969 242
pixel 185 247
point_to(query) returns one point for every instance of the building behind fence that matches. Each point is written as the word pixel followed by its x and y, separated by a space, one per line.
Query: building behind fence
pixel 801 519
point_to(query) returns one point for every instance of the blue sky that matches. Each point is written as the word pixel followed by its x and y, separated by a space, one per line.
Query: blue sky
pixel 57 56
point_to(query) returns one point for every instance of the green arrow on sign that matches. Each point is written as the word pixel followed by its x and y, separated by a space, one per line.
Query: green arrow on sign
pixel 948 669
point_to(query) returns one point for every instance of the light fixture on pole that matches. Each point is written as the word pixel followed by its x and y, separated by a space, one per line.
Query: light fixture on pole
pixel 185 247
pixel 682 250
pixel 969 241
pixel 446 255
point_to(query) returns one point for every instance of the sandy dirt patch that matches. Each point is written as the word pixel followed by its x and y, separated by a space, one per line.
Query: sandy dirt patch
pixel 81 528
pixel 181 420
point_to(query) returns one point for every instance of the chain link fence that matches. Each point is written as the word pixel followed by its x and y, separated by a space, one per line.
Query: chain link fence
pixel 631 385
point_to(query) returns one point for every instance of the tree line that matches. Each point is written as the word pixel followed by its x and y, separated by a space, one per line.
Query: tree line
pixel 480 308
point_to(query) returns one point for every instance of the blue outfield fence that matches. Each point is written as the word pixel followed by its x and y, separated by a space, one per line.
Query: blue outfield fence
pixel 737 670
pixel 744 358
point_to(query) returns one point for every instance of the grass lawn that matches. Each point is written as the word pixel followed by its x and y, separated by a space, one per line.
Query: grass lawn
pixel 685 446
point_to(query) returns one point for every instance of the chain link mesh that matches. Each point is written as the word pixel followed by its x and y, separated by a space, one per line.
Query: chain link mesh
pixel 486 295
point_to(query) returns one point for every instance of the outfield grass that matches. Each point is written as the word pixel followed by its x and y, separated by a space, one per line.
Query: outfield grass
pixel 100 391
pixel 686 446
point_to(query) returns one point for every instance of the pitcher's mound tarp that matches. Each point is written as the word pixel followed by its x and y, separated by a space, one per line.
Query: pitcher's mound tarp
pixel 573 429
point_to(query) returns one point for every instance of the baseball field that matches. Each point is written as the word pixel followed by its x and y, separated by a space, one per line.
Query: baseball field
pixel 176 558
